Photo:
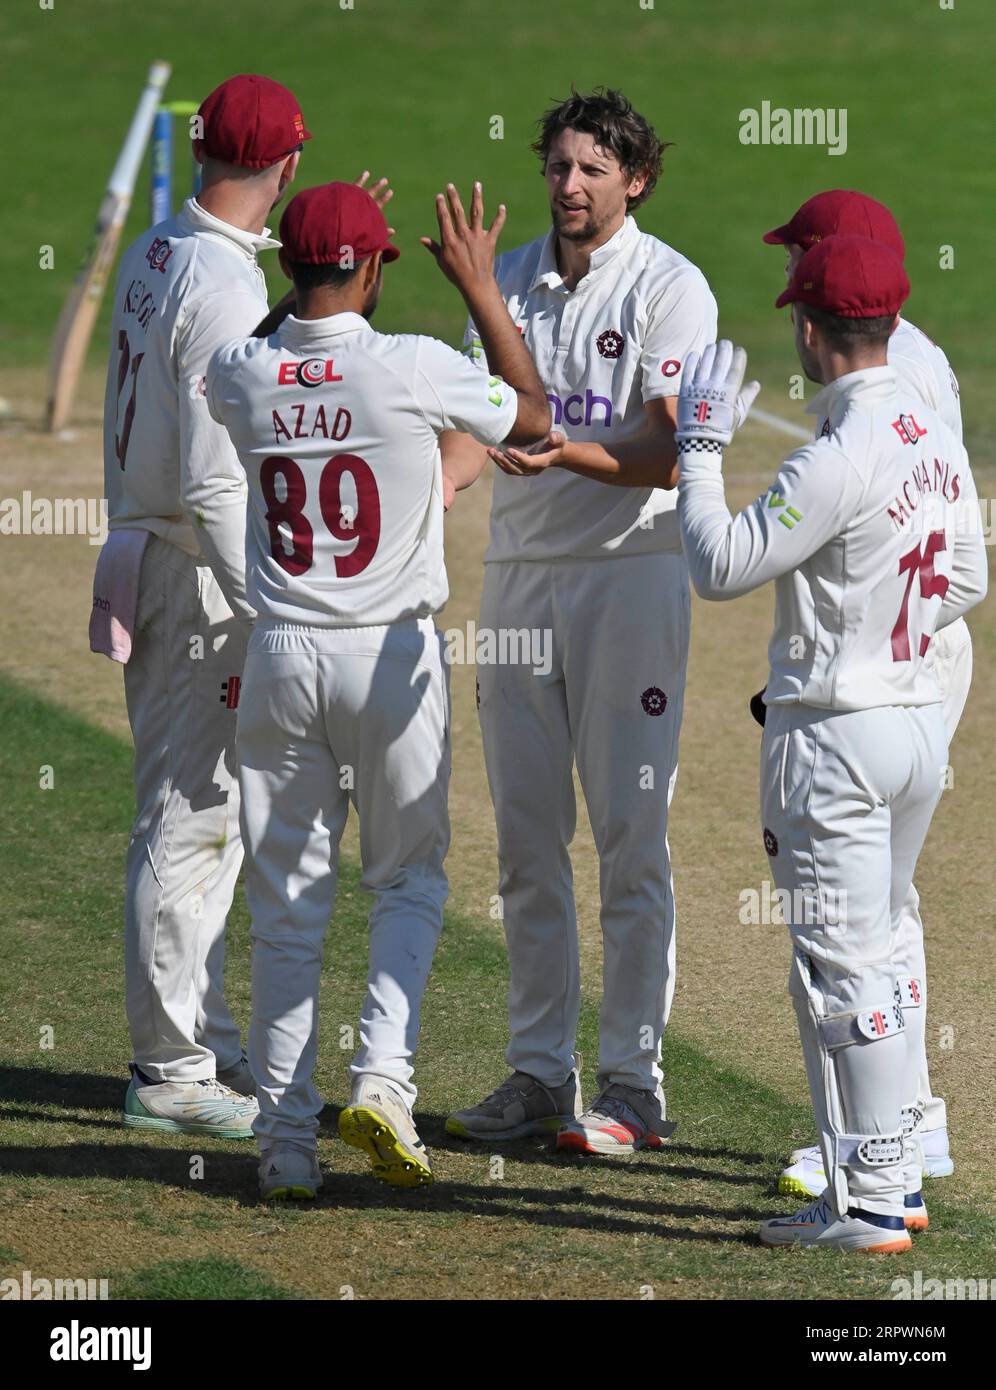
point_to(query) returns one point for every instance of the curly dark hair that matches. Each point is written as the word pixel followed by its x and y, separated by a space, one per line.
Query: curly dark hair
pixel 609 117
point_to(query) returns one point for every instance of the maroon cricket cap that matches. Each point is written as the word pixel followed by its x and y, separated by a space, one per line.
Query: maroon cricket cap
pixel 836 211
pixel 851 276
pixel 251 121
pixel 319 223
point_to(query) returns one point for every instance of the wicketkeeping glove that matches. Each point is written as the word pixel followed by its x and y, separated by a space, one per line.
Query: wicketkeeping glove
pixel 711 405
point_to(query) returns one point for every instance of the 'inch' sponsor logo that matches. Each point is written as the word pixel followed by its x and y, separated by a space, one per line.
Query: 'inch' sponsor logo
pixel 580 410
pixel 313 371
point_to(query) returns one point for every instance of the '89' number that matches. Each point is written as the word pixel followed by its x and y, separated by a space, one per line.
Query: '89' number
pixel 288 524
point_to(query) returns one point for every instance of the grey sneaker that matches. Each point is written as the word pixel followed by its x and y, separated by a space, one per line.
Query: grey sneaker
pixel 520 1106
pixel 622 1120
pixel 239 1077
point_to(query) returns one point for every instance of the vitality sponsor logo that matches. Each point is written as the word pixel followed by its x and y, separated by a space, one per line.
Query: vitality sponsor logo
pixel 789 517
pixel 312 371
pixel 580 410
pixel 670 367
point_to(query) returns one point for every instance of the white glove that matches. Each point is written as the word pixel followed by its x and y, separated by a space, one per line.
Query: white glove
pixel 711 406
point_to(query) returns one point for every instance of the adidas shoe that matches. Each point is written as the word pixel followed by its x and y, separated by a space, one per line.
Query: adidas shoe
pixel 378 1121
pixel 622 1120
pixel 817 1225
pixel 289 1171
pixel 189 1107
pixel 518 1107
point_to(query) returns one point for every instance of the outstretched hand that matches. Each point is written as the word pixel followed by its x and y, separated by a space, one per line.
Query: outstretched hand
pixel 465 251
pixel 381 192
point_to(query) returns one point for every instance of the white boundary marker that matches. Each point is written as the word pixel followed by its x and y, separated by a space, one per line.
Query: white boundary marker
pixel 775 422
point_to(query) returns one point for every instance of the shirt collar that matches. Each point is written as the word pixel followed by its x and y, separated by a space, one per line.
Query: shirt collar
pixel 871 384
pixel 547 272
pixel 247 242
pixel 295 332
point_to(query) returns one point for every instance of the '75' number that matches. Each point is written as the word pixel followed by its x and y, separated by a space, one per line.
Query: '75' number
pixel 287 521
pixel 931 586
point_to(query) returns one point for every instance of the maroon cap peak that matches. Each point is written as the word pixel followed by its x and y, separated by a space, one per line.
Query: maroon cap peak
pixel 836 211
pixel 850 276
pixel 325 224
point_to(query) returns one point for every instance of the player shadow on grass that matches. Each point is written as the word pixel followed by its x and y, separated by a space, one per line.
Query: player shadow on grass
pixel 539 1149
pixel 73 1090
pixel 231 1177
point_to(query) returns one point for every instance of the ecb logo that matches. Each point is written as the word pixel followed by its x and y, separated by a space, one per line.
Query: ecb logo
pixel 313 371
pixel 908 429
pixel 158 254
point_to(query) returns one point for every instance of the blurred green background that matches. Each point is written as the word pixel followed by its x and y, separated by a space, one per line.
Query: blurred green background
pixel 408 88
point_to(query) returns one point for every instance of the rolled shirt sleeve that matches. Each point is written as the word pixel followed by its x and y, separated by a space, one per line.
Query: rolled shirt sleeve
pixel 212 481
pixel 455 394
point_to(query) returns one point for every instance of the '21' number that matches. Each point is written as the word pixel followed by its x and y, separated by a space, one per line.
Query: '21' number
pixel 932 585
pixel 125 363
pixel 363 528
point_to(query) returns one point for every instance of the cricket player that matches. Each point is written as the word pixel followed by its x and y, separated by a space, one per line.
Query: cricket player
pixel 872 537
pixel 923 368
pixel 174 567
pixel 346 691
pixel 584 547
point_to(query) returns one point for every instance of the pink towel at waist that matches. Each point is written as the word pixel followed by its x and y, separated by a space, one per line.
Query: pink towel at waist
pixel 115 593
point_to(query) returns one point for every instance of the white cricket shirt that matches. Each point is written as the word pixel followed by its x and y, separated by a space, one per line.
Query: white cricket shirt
pixel 337 428
pixel 871 534
pixel 183 289
pixel 922 366
pixel 615 341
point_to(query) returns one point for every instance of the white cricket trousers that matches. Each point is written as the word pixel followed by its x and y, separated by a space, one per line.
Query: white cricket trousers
pixel 952 658
pixel 616 633
pixel 185 851
pixel 846 802
pixel 326 717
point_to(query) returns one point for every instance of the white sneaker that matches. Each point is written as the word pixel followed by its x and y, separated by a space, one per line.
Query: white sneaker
pixel 817 1225
pixel 915 1212
pixel 289 1171
pixel 189 1107
pixel 621 1120
pixel 805 1175
pixel 378 1121
pixel 239 1077
pixel 938 1161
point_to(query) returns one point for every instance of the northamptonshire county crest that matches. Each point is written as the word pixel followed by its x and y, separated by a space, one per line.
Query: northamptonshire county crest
pixel 770 843
pixel 610 343
pixel 653 700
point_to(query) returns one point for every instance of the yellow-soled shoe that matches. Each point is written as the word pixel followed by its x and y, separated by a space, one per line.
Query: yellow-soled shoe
pixel 379 1122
